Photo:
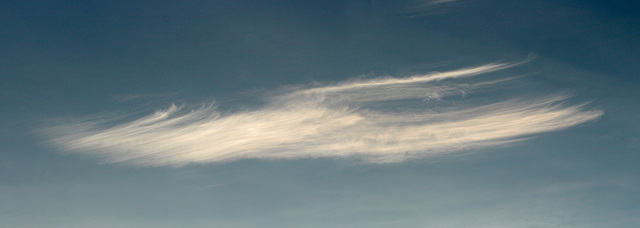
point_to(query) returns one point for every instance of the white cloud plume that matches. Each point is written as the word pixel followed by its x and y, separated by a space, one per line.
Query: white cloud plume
pixel 418 8
pixel 352 119
pixel 440 1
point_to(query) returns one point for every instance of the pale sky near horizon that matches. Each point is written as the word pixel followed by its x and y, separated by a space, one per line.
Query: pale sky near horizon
pixel 354 113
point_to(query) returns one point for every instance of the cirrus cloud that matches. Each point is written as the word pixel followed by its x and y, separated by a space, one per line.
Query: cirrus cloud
pixel 350 119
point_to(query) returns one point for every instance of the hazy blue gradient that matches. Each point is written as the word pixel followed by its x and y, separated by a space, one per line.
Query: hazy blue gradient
pixel 63 62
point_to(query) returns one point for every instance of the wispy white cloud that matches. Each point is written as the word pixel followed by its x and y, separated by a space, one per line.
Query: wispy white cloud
pixel 131 97
pixel 428 7
pixel 343 120
pixel 440 1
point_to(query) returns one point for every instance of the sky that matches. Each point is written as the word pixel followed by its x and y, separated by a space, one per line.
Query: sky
pixel 345 113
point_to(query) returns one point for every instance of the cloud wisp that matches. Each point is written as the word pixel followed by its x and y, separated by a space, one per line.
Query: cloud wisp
pixel 418 8
pixel 362 118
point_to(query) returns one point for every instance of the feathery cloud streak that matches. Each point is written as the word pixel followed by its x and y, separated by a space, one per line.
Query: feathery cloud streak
pixel 417 8
pixel 343 120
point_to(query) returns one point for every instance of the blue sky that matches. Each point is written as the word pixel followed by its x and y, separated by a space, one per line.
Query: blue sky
pixel 411 113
